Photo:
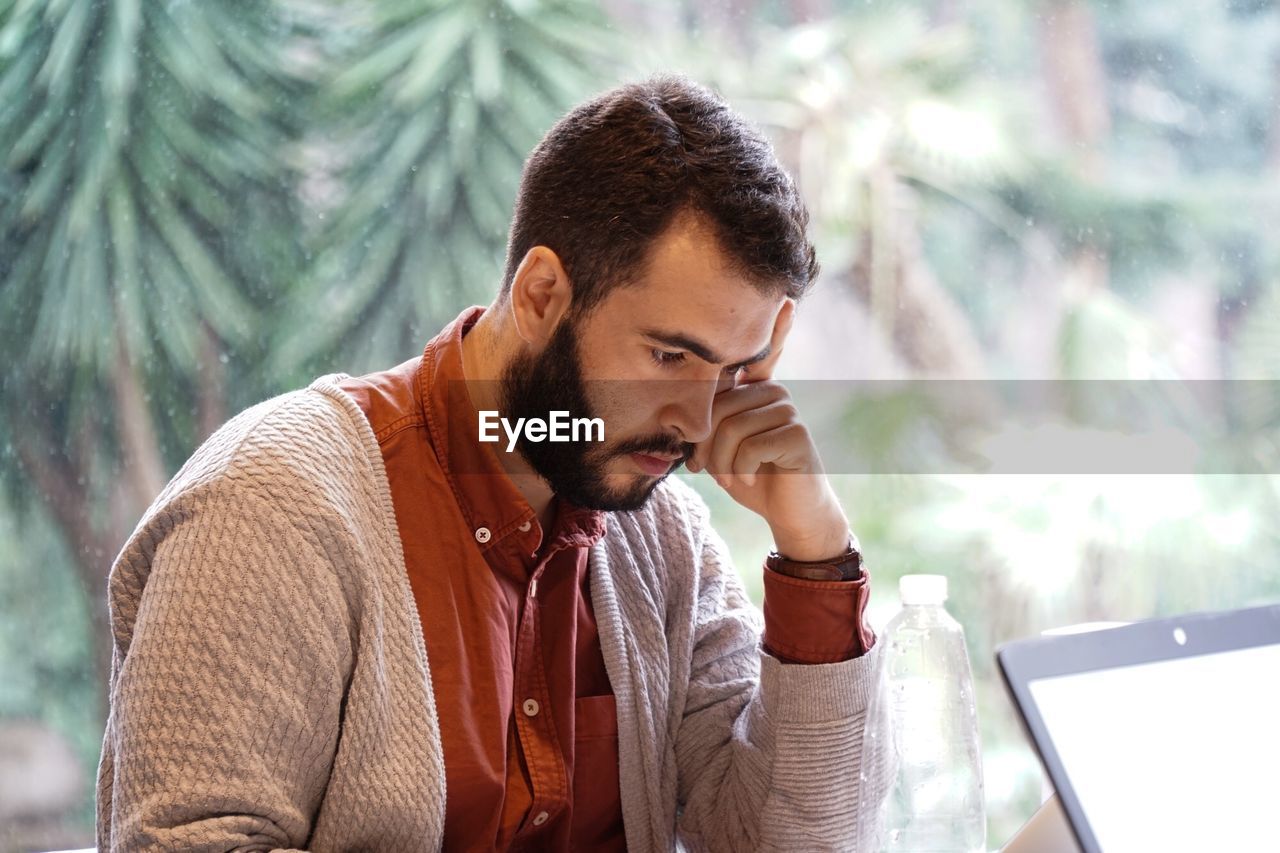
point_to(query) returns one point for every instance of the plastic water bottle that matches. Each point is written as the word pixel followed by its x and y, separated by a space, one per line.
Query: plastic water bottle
pixel 921 779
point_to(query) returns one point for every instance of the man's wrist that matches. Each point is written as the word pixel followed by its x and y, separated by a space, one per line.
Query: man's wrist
pixel 845 565
pixel 832 541
pixel 824 536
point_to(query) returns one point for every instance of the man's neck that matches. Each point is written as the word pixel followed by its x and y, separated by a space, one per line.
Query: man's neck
pixel 486 349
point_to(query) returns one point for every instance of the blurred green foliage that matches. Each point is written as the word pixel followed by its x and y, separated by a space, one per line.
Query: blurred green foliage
pixel 426 112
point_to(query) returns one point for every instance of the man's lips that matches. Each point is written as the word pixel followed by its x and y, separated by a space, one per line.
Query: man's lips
pixel 655 465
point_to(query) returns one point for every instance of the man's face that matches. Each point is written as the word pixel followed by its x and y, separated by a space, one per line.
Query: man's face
pixel 647 361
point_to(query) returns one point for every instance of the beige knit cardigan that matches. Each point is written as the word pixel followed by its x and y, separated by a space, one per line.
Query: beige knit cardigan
pixel 270 687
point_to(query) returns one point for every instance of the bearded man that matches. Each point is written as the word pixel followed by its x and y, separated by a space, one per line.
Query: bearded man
pixel 349 623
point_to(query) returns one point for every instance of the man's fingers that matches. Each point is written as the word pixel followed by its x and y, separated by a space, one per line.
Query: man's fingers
pixel 734 430
pixel 783 446
pixel 731 403
pixel 754 391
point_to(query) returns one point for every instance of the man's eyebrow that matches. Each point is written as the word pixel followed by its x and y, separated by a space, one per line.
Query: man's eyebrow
pixel 701 350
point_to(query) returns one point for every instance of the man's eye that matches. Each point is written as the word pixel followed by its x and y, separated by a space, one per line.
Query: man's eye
pixel 667 359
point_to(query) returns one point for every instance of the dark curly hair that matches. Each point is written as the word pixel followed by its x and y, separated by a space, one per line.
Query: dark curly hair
pixel 612 174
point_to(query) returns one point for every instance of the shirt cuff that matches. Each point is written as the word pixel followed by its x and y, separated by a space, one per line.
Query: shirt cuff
pixel 812 622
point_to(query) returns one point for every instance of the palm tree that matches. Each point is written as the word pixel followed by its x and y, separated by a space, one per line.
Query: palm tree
pixel 145 225
pixel 426 119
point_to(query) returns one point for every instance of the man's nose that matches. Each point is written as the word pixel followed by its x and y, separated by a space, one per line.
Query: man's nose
pixel 689 412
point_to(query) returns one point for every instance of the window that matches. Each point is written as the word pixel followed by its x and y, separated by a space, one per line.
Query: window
pixel 202 206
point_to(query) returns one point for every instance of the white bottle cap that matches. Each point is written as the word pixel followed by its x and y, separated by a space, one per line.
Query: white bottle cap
pixel 922 589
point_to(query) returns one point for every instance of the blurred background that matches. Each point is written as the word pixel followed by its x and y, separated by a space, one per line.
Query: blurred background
pixel 203 204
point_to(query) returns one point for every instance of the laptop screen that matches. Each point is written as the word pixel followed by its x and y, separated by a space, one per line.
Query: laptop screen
pixel 1173 755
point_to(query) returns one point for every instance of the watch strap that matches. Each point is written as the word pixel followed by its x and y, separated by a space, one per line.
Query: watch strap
pixel 844 567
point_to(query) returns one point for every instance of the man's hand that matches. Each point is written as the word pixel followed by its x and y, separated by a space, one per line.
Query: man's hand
pixel 764 457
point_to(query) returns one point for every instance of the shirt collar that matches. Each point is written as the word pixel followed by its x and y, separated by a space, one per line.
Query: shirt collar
pixel 500 518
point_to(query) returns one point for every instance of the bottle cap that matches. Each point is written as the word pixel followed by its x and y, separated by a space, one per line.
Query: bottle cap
pixel 922 589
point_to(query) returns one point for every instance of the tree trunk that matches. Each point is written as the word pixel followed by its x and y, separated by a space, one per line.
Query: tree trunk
pixel 61 473
pixel 1075 84
pixel 211 387
pixel 57 477
pixel 891 275
pixel 1075 79
pixel 140 449
pixel 808 11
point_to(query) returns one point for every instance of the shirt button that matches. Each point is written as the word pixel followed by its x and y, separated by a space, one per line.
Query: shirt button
pixel 540 819
pixel 524 528
pixel 483 535
pixel 530 707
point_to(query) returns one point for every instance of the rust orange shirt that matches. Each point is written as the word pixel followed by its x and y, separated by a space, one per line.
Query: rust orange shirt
pixel 527 716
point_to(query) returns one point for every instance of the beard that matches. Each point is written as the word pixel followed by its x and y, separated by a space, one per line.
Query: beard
pixel 533 386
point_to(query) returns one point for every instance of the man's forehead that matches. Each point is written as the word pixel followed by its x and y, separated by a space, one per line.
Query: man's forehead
pixel 689 289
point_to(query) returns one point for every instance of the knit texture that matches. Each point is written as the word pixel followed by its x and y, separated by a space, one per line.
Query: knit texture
pixel 270 688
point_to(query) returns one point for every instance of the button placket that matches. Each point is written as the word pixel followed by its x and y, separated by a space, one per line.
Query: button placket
pixel 534 723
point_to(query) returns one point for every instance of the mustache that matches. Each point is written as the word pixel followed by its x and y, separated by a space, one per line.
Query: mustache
pixel 656 445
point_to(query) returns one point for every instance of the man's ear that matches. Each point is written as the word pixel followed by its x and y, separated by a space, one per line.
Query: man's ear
pixel 540 295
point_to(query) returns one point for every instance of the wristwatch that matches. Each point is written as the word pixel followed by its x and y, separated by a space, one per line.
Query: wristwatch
pixel 846 567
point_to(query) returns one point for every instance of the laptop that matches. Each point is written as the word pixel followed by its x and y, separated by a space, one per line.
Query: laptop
pixel 1159 735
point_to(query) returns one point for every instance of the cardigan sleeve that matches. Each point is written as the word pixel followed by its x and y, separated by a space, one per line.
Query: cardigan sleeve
pixel 232 651
pixel 768 753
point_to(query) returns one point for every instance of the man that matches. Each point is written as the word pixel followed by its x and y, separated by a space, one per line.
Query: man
pixel 363 616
